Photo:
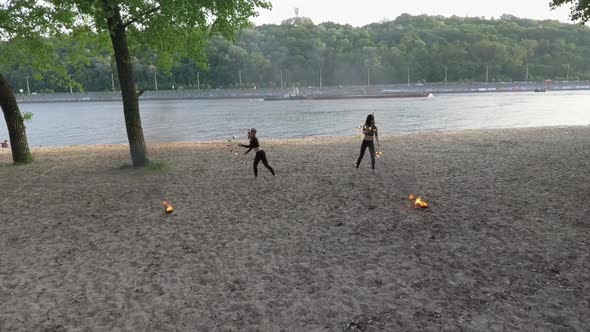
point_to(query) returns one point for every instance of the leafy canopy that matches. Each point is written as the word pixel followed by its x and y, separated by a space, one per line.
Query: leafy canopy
pixel 580 9
pixel 171 28
pixel 33 36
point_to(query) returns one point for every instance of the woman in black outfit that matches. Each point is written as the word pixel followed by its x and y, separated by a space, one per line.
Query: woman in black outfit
pixel 370 131
pixel 260 154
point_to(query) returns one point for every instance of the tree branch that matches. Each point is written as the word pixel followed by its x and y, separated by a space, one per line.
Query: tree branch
pixel 7 28
pixel 137 18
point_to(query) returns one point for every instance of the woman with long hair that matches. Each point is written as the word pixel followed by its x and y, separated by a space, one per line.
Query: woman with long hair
pixel 370 132
pixel 260 154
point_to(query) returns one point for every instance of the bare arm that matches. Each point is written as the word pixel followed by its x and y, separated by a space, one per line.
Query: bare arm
pixel 249 147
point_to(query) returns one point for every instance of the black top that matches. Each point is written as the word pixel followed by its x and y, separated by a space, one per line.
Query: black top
pixel 370 130
pixel 253 144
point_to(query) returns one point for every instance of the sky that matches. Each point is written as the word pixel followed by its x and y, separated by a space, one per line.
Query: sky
pixel 362 12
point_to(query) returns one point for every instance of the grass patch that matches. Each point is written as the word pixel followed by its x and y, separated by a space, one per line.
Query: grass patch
pixel 152 166
pixel 157 166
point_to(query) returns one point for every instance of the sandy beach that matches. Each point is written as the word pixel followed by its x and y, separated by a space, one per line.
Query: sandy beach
pixel 85 244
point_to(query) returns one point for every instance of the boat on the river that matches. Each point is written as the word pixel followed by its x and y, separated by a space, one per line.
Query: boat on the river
pixel 540 90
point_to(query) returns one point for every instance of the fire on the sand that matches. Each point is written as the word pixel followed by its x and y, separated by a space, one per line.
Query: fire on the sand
pixel 418 202
pixel 169 208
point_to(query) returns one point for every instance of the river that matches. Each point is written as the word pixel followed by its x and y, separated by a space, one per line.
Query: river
pixel 63 124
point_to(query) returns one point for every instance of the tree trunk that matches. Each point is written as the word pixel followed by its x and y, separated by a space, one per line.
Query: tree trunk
pixel 15 124
pixel 130 99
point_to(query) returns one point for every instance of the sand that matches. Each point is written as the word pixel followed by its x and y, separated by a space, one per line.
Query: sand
pixel 85 244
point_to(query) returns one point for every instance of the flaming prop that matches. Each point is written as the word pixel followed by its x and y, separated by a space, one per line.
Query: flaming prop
pixel 169 208
pixel 418 202
pixel 378 154
pixel 234 148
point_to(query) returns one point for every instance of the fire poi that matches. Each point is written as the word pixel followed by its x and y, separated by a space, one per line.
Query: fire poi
pixel 233 149
pixel 169 208
pixel 418 202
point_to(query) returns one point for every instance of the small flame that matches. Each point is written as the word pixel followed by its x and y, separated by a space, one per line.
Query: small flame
pixel 169 208
pixel 378 154
pixel 418 202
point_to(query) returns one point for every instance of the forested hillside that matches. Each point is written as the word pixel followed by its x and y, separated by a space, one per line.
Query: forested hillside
pixel 380 53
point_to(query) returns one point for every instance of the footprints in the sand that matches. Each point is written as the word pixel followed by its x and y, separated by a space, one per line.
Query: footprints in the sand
pixel 374 322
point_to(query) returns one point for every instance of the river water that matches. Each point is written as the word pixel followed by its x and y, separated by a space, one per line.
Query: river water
pixel 62 124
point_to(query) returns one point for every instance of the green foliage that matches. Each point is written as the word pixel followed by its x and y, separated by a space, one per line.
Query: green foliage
pixel 425 44
pixel 170 29
pixel 27 116
pixel 580 9
pixel 26 32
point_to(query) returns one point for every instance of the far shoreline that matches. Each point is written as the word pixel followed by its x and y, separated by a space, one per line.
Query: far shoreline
pixel 249 94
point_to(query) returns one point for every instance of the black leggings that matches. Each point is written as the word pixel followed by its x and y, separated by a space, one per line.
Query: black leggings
pixel 371 147
pixel 261 156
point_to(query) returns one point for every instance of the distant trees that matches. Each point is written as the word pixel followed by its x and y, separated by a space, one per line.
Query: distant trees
pixel 381 53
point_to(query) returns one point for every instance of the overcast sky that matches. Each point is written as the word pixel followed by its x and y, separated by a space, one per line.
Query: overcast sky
pixel 361 12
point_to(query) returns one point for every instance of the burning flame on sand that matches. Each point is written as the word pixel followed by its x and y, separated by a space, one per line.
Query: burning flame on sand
pixel 169 208
pixel 418 202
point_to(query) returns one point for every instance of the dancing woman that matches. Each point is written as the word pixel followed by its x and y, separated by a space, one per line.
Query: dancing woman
pixel 370 131
pixel 260 154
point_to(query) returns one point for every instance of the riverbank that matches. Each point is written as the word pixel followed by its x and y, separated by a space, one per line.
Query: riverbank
pixel 312 92
pixel 85 242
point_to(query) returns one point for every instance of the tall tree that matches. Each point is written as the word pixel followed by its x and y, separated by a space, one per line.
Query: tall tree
pixel 20 36
pixel 15 124
pixel 171 28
